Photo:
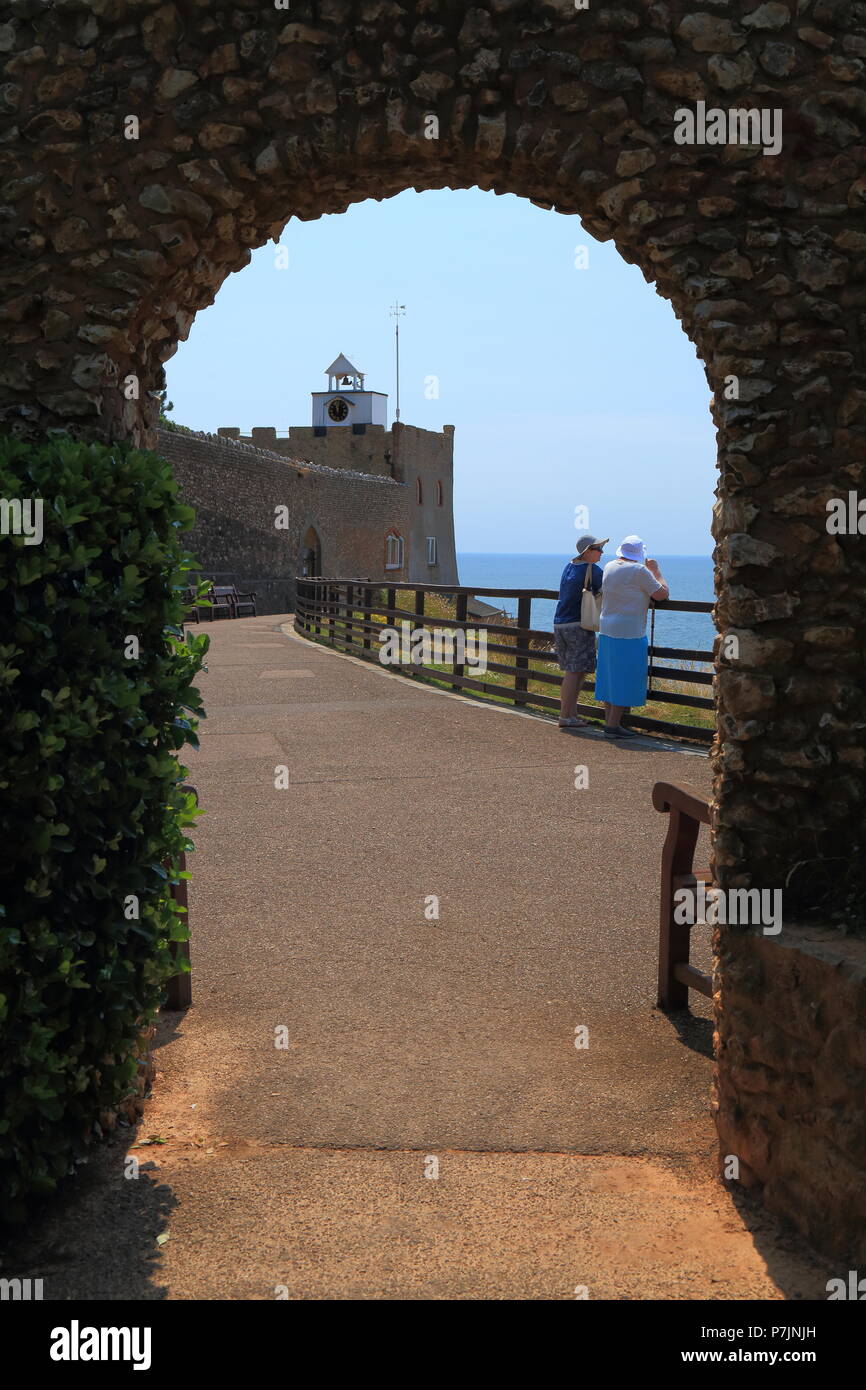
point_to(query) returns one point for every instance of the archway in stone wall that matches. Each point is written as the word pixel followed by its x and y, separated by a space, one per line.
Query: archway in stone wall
pixel 148 145
pixel 311 554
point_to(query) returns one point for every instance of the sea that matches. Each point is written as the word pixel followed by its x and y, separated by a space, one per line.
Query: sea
pixel 688 577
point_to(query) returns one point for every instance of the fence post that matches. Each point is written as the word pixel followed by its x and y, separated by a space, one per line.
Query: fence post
pixel 349 628
pixel 524 619
pixel 458 666
pixel 368 603
pixel 302 591
pixel 420 596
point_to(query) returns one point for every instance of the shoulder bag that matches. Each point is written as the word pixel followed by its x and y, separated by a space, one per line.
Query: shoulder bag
pixel 590 604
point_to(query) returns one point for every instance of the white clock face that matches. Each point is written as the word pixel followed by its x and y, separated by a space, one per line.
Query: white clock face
pixel 338 409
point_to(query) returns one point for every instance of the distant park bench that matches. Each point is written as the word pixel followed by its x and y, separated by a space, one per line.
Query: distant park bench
pixel 688 811
pixel 225 602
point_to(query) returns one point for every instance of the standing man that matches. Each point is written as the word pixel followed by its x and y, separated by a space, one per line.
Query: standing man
pixel 575 645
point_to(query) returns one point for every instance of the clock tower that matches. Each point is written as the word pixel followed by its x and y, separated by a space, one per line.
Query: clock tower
pixel 346 402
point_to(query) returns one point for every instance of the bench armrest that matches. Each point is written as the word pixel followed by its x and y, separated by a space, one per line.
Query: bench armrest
pixel 670 796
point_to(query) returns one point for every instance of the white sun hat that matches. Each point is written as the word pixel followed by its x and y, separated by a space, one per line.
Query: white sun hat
pixel 632 548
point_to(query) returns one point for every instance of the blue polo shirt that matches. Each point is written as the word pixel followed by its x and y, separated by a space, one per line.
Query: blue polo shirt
pixel 571 591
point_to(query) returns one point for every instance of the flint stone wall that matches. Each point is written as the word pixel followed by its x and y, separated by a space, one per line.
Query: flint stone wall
pixel 235 489
pixel 790 1084
pixel 403 452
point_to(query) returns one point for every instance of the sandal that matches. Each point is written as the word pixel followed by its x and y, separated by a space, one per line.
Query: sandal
pixel 573 722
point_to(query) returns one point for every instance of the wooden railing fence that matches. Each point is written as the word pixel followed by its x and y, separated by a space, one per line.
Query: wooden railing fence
pixel 350 614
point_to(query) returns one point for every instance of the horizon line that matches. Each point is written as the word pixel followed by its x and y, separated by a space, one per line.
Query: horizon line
pixel 554 554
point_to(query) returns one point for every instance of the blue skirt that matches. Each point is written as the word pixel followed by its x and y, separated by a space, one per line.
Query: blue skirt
pixel 620 678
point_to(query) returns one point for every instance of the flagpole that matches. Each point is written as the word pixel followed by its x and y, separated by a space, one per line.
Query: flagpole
pixel 396 311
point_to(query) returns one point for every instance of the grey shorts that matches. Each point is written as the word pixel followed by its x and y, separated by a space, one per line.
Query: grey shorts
pixel 575 647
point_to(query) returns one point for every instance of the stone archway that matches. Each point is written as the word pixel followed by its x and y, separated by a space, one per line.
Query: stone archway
pixel 148 145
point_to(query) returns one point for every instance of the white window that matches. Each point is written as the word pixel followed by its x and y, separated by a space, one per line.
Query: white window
pixel 432 551
pixel 393 552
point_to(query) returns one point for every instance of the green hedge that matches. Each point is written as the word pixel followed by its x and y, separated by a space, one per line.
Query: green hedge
pixel 91 804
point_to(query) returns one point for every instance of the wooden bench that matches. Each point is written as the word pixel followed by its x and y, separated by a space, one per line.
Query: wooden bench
pixel 191 607
pixel 245 604
pixel 223 601
pixel 687 811
pixel 221 596
pixel 228 603
pixel 198 607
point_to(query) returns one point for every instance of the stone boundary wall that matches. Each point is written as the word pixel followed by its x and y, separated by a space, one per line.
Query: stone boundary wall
pixel 235 488
pixel 789 1090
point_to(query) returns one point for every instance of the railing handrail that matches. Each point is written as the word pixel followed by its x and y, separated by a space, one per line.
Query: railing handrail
pixel 675 605
pixel 672 796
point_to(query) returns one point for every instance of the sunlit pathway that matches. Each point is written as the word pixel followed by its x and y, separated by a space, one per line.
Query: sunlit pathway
pixel 417 1047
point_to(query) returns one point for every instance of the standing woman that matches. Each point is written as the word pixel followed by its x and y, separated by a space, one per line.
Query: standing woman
pixel 629 582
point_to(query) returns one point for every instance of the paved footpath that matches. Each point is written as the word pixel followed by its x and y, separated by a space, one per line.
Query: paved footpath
pixel 411 1045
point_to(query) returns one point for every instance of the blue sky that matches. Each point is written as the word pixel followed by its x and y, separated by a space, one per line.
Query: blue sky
pixel 567 387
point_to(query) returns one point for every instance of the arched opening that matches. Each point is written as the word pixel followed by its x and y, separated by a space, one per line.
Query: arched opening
pixel 311 554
